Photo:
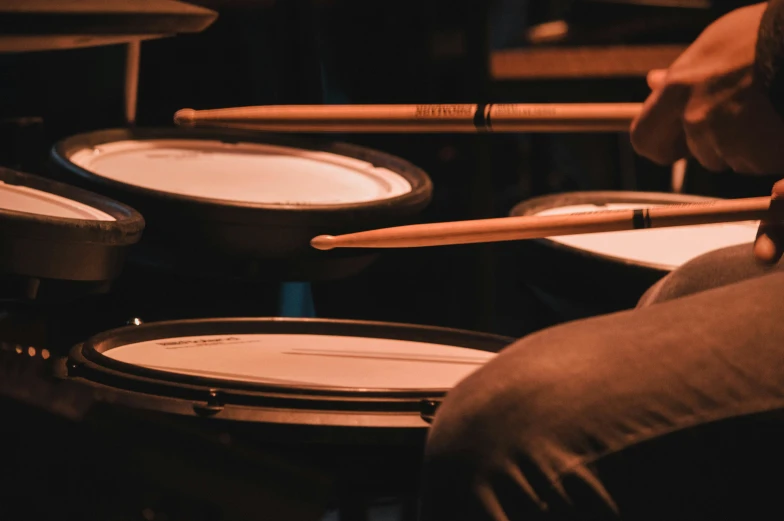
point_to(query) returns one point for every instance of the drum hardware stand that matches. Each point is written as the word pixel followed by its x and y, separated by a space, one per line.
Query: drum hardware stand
pixel 132 62
pixel 46 324
pixel 24 377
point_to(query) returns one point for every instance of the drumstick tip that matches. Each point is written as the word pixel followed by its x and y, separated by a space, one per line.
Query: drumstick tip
pixel 184 117
pixel 323 242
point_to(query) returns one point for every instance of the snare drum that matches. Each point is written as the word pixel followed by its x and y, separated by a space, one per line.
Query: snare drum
pixel 242 205
pixel 355 397
pixel 315 378
pixel 583 275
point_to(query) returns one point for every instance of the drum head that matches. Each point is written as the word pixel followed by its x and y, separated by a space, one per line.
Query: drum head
pixel 247 196
pixel 293 372
pixel 50 230
pixel 610 271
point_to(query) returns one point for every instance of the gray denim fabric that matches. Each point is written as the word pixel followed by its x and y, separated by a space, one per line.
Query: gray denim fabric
pixel 669 411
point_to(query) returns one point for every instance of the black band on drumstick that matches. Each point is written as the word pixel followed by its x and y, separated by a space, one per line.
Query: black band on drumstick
pixel 638 221
pixel 482 117
pixel 641 219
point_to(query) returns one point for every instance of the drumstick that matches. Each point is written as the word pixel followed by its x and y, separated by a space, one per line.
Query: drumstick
pixel 553 117
pixel 541 226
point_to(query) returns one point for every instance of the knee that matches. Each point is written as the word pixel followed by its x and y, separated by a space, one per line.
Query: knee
pixel 475 416
pixel 543 394
pixel 708 271
pixel 506 435
pixel 513 407
pixel 496 442
pixel 468 444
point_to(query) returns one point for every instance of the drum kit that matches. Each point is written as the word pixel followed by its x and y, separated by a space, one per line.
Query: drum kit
pixel 142 367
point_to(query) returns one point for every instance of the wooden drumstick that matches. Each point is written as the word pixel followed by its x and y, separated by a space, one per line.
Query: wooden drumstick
pixel 541 226
pixel 495 117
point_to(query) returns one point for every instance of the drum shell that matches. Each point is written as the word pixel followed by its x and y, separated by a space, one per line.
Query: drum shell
pixel 247 240
pixel 579 283
pixel 72 255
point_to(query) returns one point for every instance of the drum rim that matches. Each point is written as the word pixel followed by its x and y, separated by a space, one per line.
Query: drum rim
pixel 90 353
pixel 421 184
pixel 126 229
pixel 534 204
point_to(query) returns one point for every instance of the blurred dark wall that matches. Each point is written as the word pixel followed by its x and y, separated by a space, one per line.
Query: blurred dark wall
pixel 353 51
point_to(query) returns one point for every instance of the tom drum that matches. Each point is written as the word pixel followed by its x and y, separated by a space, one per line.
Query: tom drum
pixel 230 215
pixel 583 275
pixel 246 205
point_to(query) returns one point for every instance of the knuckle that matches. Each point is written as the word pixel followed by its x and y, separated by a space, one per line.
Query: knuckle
pixel 640 138
pixel 696 118
pixel 778 188
pixel 739 165
pixel 637 140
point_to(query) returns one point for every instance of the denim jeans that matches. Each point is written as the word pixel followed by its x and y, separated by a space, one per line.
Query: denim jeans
pixel 673 410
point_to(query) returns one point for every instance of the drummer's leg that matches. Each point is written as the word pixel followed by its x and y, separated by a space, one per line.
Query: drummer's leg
pixel 659 413
pixel 711 270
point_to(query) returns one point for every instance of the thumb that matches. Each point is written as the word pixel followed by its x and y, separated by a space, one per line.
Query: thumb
pixel 656 78
pixel 769 245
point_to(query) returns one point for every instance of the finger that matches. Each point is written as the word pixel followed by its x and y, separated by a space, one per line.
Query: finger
pixel 702 149
pixel 740 165
pixel 769 245
pixel 656 78
pixel 703 127
pixel 736 150
pixel 755 137
pixel 657 133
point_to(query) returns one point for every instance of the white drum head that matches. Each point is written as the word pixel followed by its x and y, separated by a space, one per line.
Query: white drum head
pixel 17 198
pixel 242 172
pixel 666 247
pixel 308 360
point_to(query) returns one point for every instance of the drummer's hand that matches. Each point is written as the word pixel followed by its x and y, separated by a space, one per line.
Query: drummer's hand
pixel 770 238
pixel 706 105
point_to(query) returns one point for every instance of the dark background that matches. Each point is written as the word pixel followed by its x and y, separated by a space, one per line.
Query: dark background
pixel 354 51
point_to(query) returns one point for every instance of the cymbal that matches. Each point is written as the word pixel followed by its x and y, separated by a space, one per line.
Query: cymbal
pixel 37 25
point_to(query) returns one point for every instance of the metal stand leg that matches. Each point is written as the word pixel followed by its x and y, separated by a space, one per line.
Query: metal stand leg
pixel 132 80
pixel 296 300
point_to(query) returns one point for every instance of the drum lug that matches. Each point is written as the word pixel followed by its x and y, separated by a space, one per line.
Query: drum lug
pixel 427 410
pixel 135 321
pixel 210 407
